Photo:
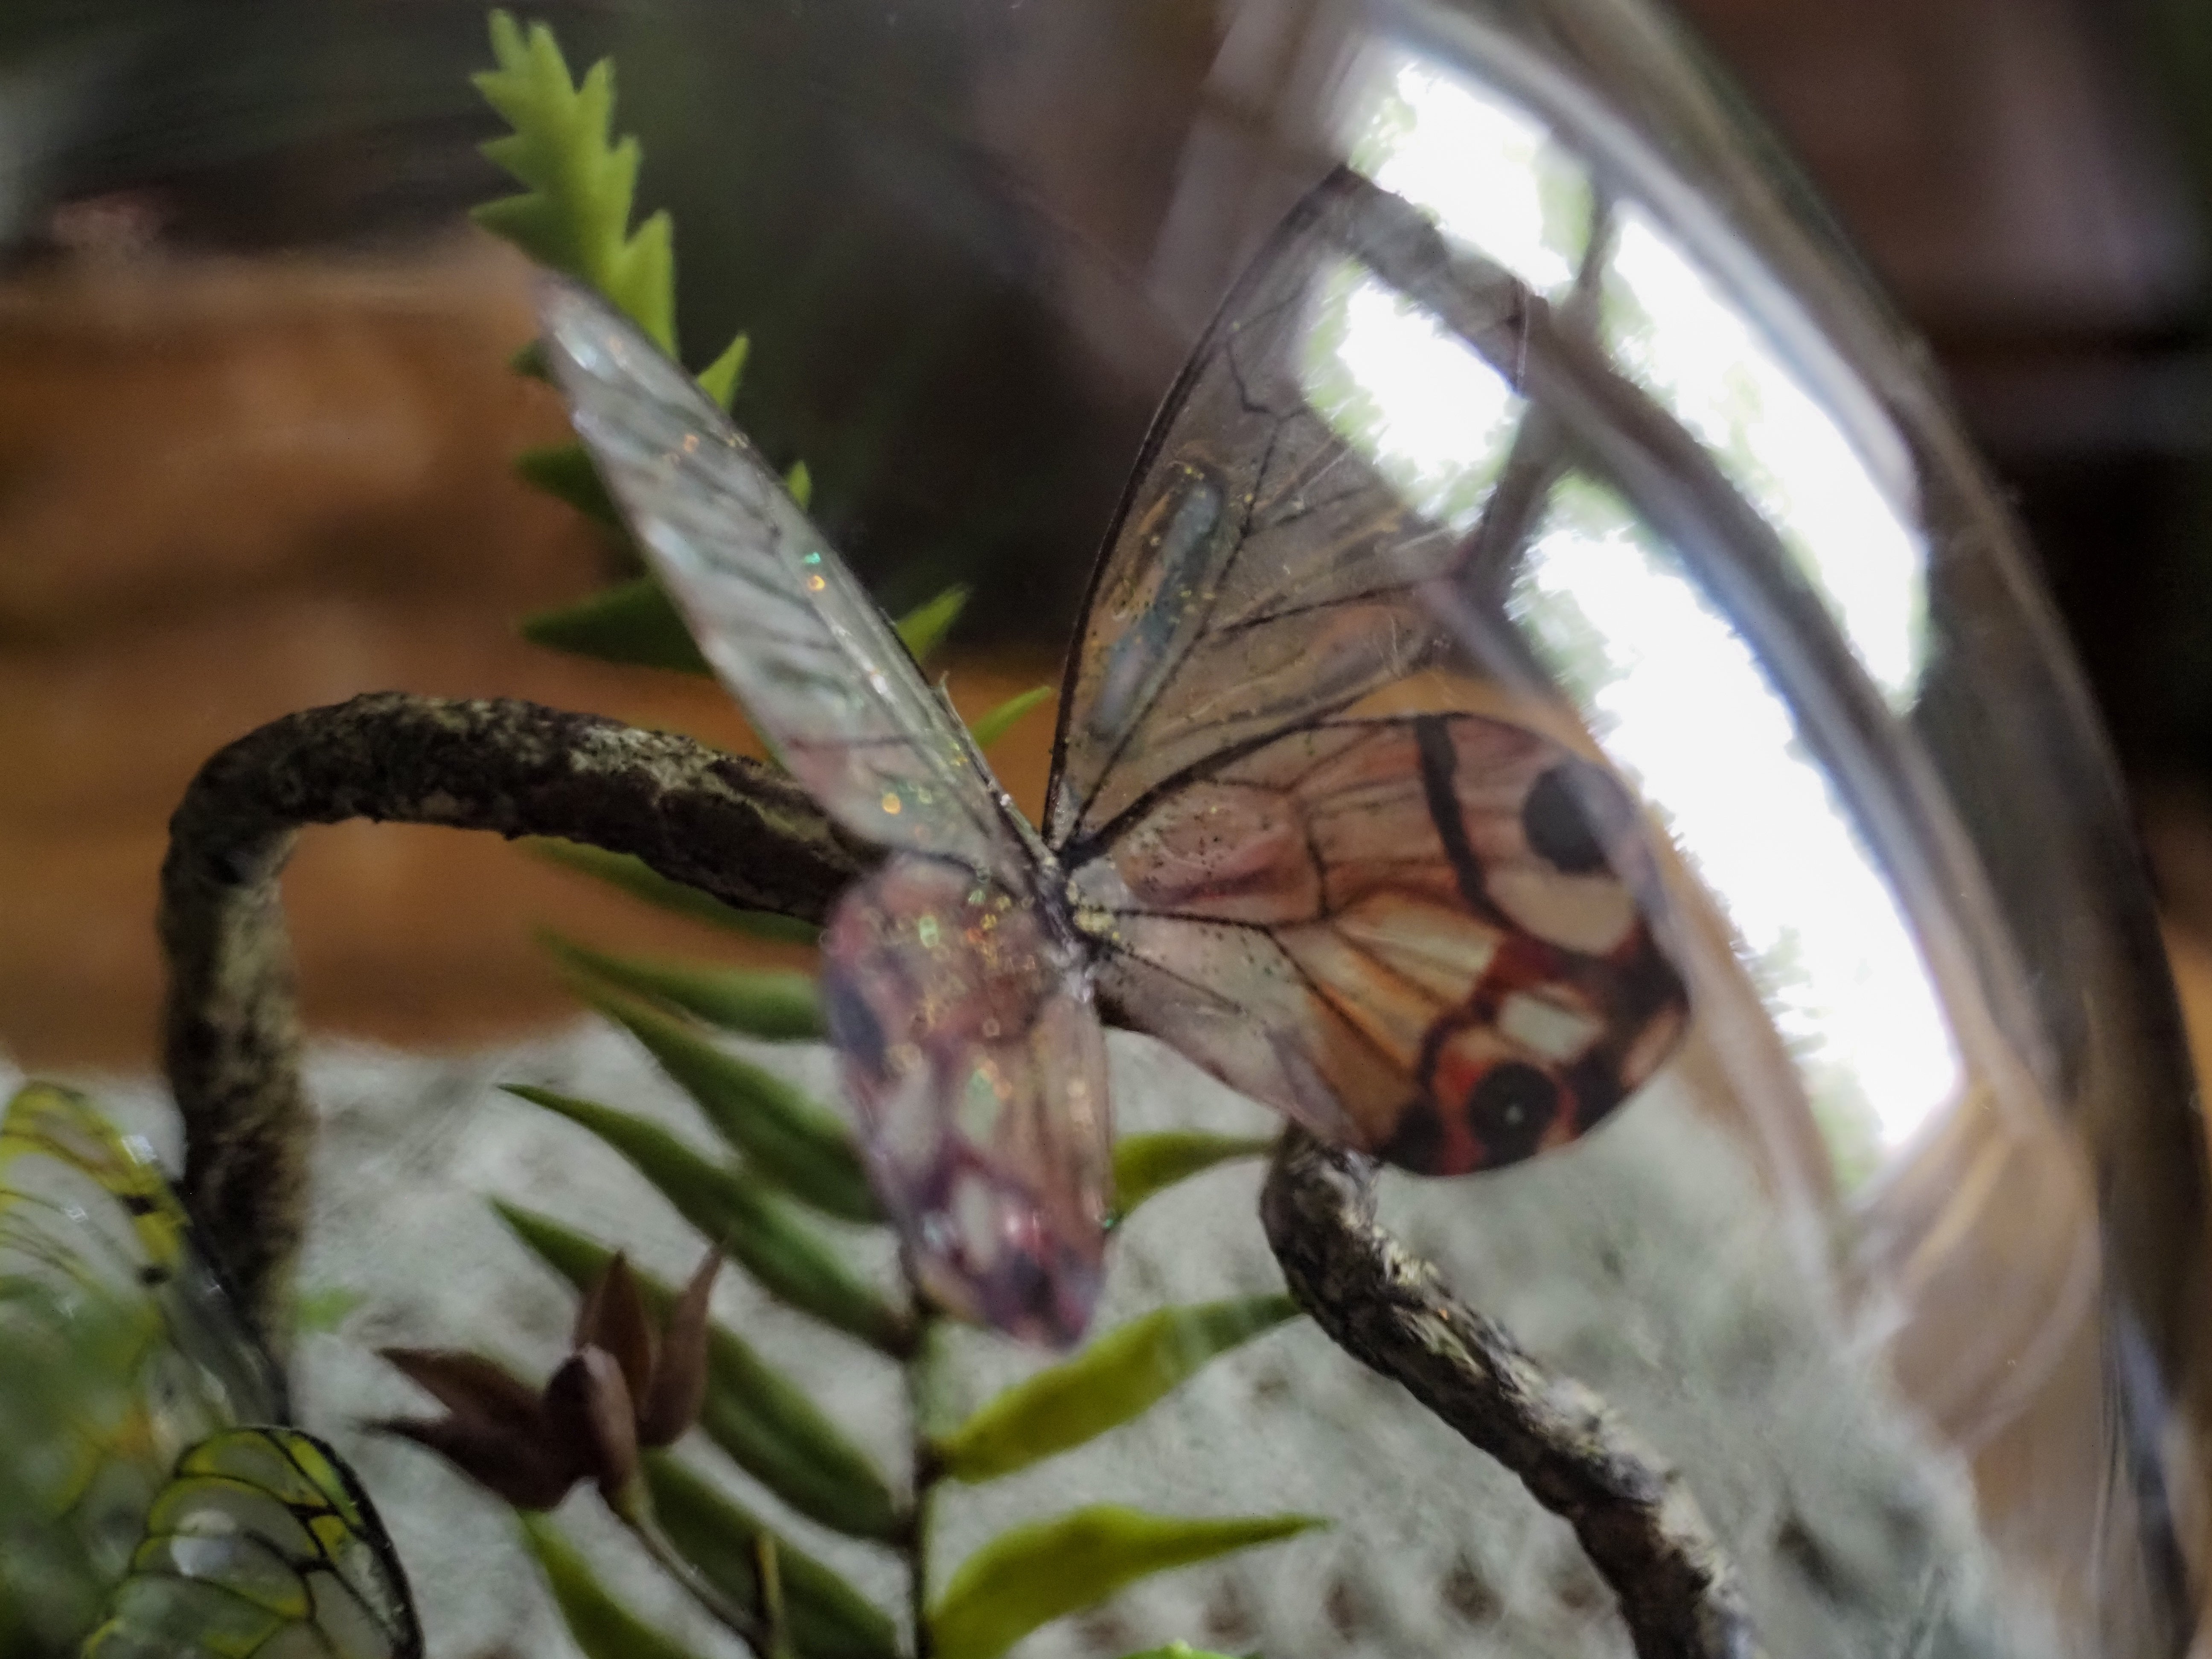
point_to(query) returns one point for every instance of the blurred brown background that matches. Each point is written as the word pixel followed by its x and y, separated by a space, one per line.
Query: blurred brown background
pixel 254 414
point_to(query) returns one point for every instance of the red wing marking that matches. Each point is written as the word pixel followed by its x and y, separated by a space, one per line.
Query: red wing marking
pixel 1424 934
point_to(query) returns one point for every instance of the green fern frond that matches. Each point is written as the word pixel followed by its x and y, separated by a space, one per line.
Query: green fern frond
pixel 580 183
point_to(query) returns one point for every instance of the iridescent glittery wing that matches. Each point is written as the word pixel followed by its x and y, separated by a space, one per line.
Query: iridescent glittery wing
pixel 262 1546
pixel 1314 858
pixel 118 1350
pixel 773 607
pixel 962 1012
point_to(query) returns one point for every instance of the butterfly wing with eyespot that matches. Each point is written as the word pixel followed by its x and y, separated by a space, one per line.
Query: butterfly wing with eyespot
pixel 1312 857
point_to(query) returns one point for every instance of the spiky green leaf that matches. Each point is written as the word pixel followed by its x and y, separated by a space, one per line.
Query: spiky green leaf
pixel 580 183
pixel 826 1617
pixel 634 623
pixel 1118 1377
pixel 639 880
pixel 790 1140
pixel 602 1626
pixel 771 1003
pixel 997 722
pixel 768 1425
pixel 565 472
pixel 721 378
pixel 1034 1574
pixel 924 627
pixel 746 1216
pixel 1146 1164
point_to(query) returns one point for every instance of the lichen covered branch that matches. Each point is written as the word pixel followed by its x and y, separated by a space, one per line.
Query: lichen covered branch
pixel 749 836
pixel 231 1036
pixel 1634 1517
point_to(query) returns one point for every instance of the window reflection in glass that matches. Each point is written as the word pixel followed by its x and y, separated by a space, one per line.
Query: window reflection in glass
pixel 1411 400
pixel 1669 686
pixel 1675 697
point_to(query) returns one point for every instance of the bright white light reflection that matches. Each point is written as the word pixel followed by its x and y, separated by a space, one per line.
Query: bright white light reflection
pixel 1671 331
pixel 1416 403
pixel 1485 170
pixel 1496 181
pixel 1679 702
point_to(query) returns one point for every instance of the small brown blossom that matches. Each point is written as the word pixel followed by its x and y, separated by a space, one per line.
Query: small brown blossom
pixel 623 1386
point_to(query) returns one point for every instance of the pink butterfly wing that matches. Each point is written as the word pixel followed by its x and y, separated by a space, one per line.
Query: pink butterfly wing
pixel 963 1014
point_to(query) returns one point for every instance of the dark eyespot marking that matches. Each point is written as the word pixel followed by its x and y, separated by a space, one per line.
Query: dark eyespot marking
pixel 1417 1142
pixel 1510 1110
pixel 1555 818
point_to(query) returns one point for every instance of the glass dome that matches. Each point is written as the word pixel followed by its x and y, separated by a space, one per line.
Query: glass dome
pixel 1895 1250
pixel 1710 495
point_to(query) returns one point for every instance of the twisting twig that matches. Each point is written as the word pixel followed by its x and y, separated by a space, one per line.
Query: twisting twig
pixel 1636 1519
pixel 747 834
pixel 231 1038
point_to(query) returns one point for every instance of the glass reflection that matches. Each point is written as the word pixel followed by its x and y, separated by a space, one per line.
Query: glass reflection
pixel 1959 1221
pixel 1676 699
pixel 1496 181
pixel 1413 402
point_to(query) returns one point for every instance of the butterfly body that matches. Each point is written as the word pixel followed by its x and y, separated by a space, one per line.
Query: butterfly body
pixel 1289 830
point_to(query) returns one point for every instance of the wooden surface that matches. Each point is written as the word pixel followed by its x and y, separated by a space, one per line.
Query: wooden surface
pixel 227 492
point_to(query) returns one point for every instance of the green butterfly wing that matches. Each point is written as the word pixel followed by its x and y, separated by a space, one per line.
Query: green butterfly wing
pixel 129 1492
pixel 118 1351
pixel 263 1547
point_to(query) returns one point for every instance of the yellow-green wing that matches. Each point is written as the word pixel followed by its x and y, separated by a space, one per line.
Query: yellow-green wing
pixel 263 1547
pixel 117 1352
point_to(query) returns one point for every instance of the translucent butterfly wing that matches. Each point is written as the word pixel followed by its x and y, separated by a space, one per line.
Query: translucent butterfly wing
pixel 774 609
pixel 1312 857
pixel 963 1014
pixel 118 1350
pixel 261 1546
pixel 1261 572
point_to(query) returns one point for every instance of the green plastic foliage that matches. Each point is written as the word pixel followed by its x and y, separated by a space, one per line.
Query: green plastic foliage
pixel 565 472
pixel 790 1140
pixel 720 377
pixel 573 214
pixel 1034 1574
pixel 825 1617
pixel 746 1218
pixel 770 1003
pixel 1146 1164
pixel 769 1426
pixel 602 1626
pixel 639 880
pixel 995 723
pixel 633 622
pixel 922 630
pixel 800 483
pixel 1120 1376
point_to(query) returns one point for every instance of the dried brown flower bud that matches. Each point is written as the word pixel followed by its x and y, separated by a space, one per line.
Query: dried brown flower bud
pixel 621 1387
pixel 495 1432
pixel 587 1406
pixel 679 1382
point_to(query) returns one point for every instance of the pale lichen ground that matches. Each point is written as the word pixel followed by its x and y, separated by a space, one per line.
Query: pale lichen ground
pixel 1643 1262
